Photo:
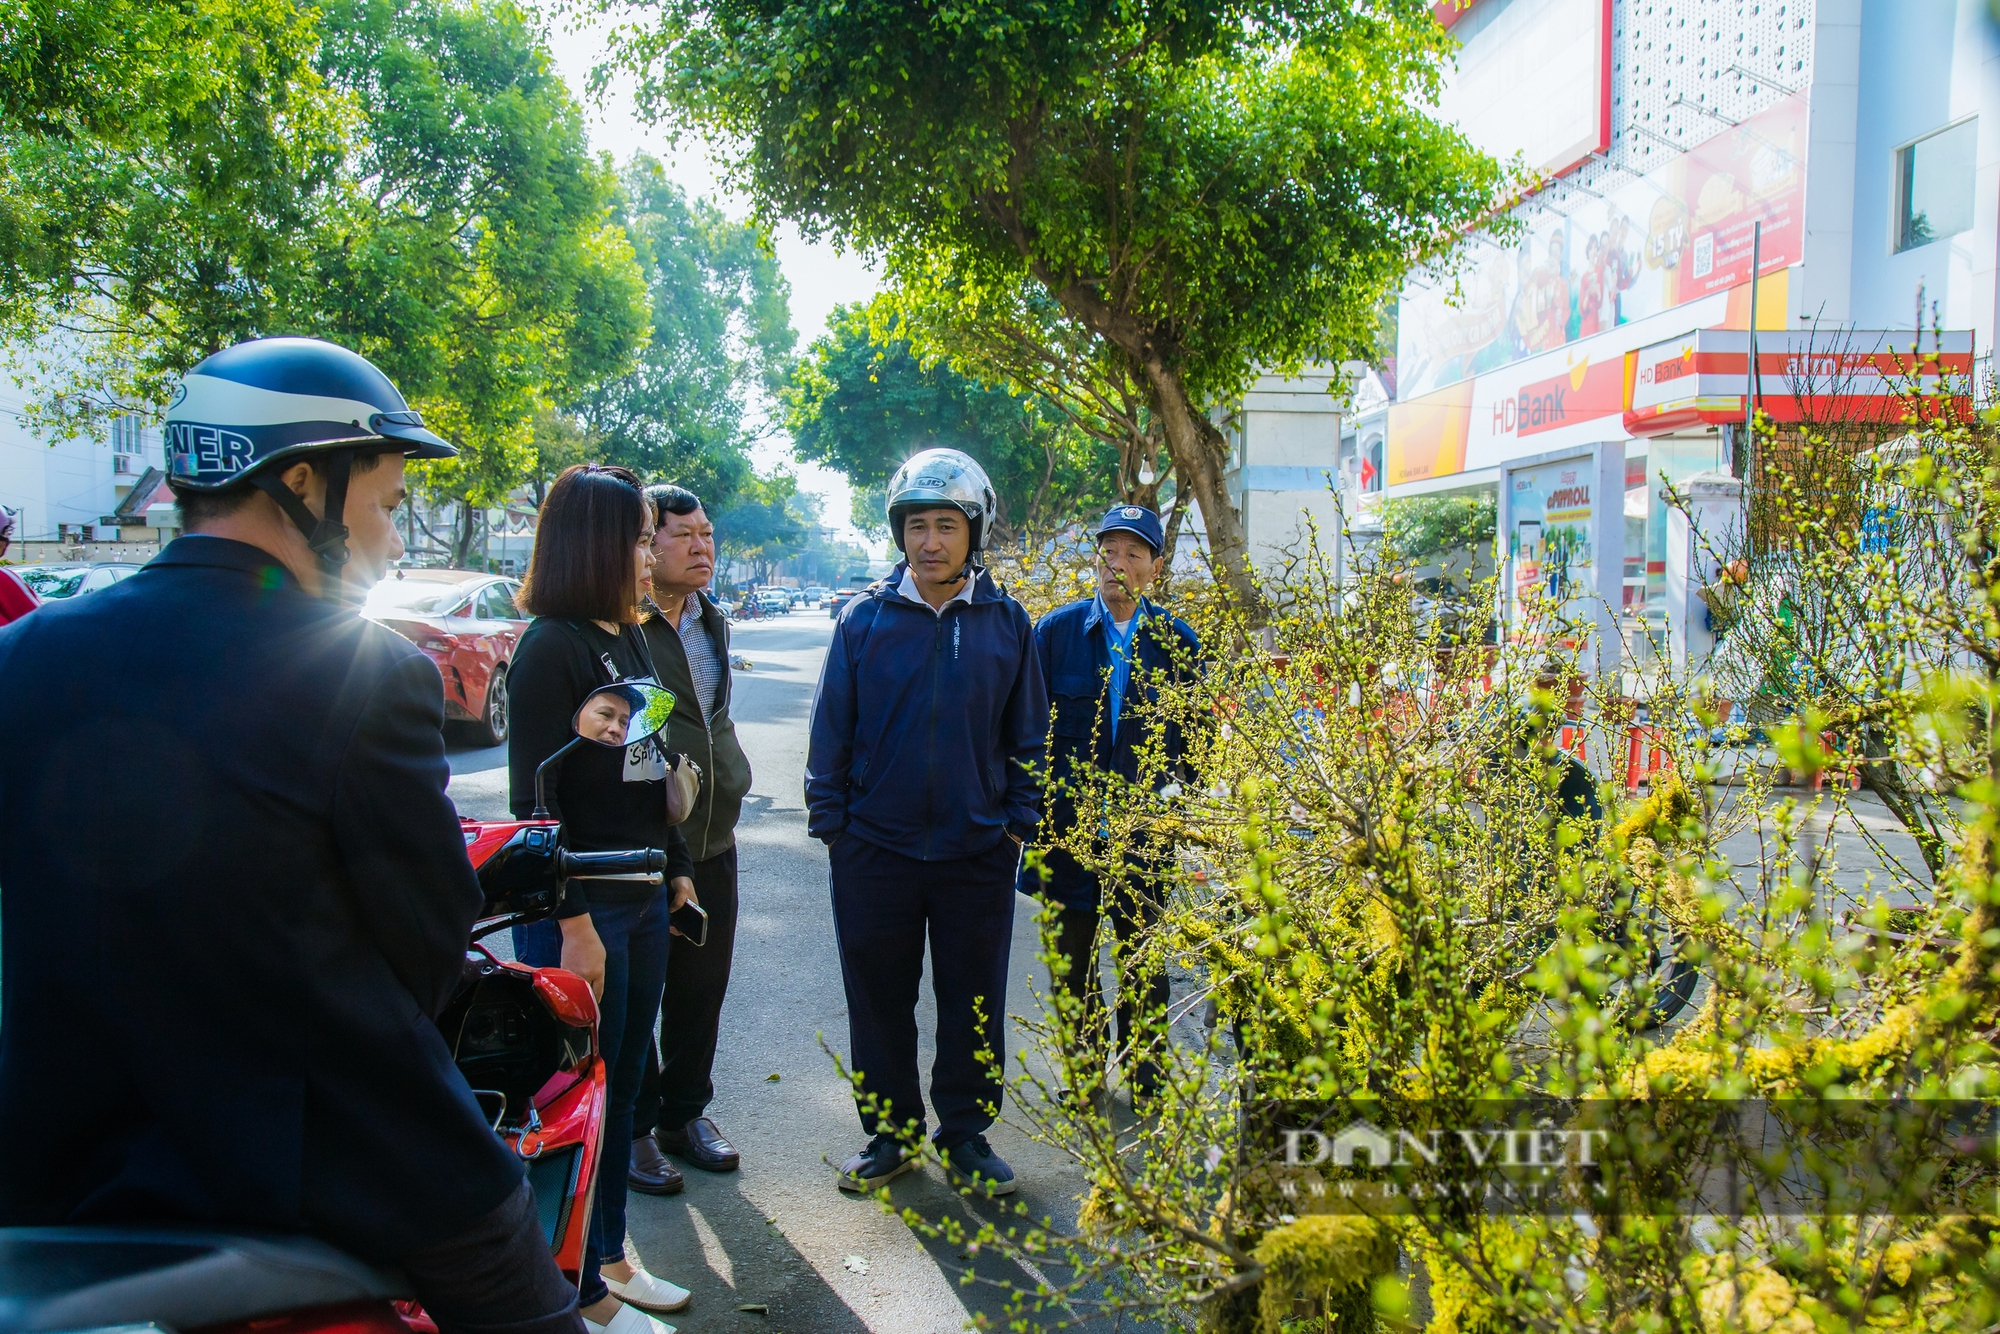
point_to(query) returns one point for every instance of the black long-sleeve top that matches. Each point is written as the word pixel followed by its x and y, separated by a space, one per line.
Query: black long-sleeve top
pixel 556 665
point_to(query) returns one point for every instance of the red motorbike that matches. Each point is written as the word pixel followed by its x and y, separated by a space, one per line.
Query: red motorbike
pixel 524 1038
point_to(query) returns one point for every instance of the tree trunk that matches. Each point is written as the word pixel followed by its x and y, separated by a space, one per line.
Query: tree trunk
pixel 1199 452
pixel 462 534
pixel 1196 447
pixel 1173 534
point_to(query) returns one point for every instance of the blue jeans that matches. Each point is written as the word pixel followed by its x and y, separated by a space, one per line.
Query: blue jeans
pixel 636 945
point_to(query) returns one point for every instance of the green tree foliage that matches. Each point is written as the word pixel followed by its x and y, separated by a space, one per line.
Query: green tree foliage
pixel 473 257
pixel 1206 191
pixel 163 170
pixel 1426 530
pixel 768 523
pixel 721 341
pixel 410 179
pixel 862 401
pixel 1019 338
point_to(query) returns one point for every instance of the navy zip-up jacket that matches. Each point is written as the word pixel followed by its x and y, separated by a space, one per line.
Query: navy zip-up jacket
pixel 1075 655
pixel 928 727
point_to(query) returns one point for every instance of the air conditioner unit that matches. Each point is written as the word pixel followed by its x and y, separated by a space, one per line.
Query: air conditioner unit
pixel 127 465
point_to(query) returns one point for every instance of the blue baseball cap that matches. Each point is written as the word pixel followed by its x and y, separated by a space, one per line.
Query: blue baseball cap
pixel 1135 519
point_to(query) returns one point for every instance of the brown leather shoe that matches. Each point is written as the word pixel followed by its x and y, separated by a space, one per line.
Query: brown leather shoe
pixel 651 1173
pixel 700 1144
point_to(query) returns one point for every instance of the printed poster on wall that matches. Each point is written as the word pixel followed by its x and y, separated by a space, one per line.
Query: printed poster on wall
pixel 1550 544
pixel 1681 232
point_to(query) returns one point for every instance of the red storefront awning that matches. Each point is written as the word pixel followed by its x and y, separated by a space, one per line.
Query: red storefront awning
pixel 1700 378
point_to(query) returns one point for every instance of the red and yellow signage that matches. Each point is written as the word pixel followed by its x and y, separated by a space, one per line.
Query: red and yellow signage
pixel 1853 375
pixel 1427 435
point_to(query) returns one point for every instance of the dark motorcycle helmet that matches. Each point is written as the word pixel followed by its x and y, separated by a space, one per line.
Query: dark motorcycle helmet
pixel 274 401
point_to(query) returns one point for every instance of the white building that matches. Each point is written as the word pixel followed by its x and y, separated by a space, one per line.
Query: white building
pixel 1854 145
pixel 81 498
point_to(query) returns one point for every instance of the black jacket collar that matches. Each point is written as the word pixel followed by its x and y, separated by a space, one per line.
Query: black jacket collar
pixel 225 553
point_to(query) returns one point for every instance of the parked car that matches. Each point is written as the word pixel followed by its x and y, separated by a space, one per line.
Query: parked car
pixel 74 578
pixel 468 625
pixel 816 595
pixel 774 601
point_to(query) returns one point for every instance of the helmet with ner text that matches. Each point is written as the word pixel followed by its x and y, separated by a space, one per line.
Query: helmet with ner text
pixel 275 401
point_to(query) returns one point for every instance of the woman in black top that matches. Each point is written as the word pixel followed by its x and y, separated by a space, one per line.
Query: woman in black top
pixel 591 566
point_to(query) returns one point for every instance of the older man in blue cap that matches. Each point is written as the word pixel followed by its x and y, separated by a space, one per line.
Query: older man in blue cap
pixel 1105 660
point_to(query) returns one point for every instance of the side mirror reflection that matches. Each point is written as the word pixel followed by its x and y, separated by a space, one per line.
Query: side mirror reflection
pixel 618 715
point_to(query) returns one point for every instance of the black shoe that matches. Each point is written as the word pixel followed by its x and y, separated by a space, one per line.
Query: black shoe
pixel 972 1165
pixel 1096 1098
pixel 882 1161
pixel 651 1173
pixel 700 1144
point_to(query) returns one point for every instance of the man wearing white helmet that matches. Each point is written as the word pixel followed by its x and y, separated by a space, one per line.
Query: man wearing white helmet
pixel 927 728
pixel 237 895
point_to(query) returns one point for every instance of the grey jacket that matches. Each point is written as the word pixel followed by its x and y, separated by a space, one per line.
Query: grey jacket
pixel 710 829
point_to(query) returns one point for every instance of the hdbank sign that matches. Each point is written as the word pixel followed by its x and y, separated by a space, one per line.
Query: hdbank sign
pixel 1577 395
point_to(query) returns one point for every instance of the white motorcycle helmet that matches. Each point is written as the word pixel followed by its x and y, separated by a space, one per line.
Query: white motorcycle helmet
pixel 939 477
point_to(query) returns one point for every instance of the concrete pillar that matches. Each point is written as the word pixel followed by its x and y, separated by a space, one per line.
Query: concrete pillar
pixel 1286 464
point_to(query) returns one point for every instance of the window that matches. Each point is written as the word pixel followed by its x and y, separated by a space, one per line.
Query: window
pixel 417 597
pixel 1934 180
pixel 496 605
pixel 1371 465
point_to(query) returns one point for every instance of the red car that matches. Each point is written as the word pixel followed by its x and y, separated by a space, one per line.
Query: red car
pixel 468 624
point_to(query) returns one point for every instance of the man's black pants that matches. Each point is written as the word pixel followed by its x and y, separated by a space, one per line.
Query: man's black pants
pixel 496 1277
pixel 678 1084
pixel 1140 992
pixel 883 905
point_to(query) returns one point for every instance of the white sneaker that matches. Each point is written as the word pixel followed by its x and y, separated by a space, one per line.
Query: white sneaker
pixel 629 1320
pixel 649 1290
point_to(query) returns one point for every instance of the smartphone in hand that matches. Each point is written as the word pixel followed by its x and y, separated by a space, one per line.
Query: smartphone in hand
pixel 691 921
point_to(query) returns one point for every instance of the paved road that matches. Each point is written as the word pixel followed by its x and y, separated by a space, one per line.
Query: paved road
pixel 778 1232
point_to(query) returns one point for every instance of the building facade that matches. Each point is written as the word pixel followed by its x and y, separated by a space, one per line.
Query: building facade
pixel 1831 165
pixel 85 498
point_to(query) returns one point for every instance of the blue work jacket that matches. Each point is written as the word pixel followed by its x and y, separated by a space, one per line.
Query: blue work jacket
pixel 1074 647
pixel 928 727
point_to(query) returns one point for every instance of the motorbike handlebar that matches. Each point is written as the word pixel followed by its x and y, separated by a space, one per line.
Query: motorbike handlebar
pixel 637 864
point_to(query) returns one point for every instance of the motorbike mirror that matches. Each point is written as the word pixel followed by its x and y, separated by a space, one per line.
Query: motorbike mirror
pixel 620 714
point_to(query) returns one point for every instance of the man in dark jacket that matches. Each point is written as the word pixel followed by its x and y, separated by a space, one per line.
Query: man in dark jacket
pixel 1105 659
pixel 929 720
pixel 236 894
pixel 688 637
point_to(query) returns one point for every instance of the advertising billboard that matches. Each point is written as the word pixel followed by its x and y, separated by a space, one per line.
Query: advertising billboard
pixel 1576 395
pixel 1533 81
pixel 1680 233
pixel 1550 546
